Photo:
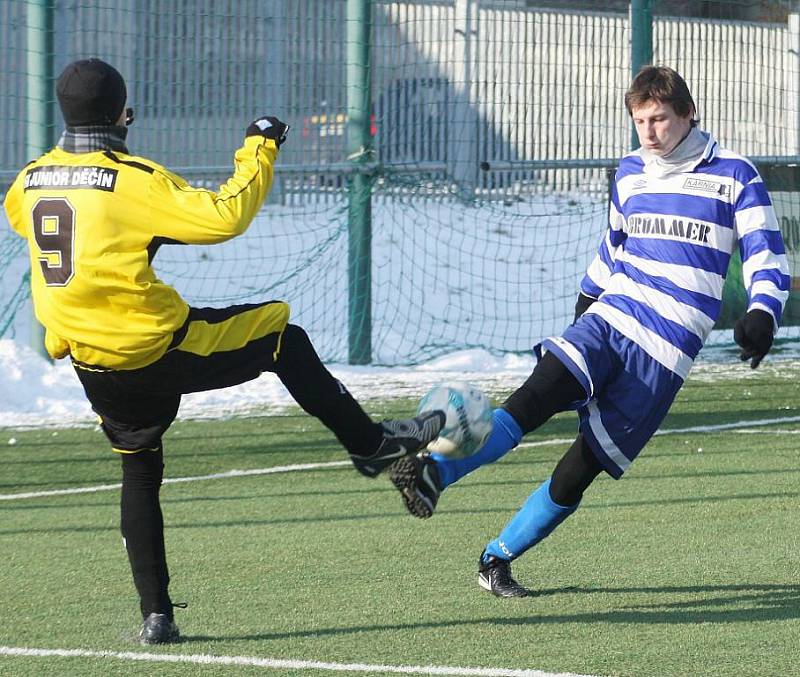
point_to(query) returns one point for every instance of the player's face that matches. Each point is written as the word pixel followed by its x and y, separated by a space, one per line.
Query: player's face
pixel 659 127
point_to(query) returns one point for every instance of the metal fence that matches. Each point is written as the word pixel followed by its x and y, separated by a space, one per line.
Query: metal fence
pixel 459 83
pixel 478 196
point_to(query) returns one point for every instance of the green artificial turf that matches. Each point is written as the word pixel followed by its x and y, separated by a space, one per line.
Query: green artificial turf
pixel 689 565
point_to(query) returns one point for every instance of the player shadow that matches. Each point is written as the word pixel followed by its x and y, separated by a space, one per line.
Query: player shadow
pixel 718 473
pixel 173 451
pixel 278 521
pixel 257 448
pixel 62 462
pixel 567 425
pixel 588 504
pixel 70 483
pixel 687 500
pixel 338 519
pixel 52 442
pixel 741 417
pixel 112 499
pixel 708 604
pixel 536 478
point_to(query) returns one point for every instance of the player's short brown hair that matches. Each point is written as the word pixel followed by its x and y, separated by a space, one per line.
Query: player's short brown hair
pixel 663 84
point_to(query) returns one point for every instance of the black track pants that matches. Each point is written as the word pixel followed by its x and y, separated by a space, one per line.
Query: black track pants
pixel 549 389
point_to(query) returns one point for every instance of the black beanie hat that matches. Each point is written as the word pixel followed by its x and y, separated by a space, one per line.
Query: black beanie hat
pixel 90 92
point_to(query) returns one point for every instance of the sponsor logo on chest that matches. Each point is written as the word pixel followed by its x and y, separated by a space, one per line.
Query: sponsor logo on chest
pixel 671 227
pixel 706 186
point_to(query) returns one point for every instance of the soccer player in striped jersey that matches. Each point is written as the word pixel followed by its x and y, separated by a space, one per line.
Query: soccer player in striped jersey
pixel 94 217
pixel 680 206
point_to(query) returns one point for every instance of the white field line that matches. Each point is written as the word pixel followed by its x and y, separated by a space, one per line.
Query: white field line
pixel 175 480
pixel 278 663
pixel 736 426
pixel 746 431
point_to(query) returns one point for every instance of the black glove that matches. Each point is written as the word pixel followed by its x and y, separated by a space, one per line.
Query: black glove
pixel 270 128
pixel 582 304
pixel 753 333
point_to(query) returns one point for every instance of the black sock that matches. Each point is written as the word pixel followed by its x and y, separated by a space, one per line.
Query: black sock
pixel 573 474
pixel 549 389
pixel 316 390
pixel 142 526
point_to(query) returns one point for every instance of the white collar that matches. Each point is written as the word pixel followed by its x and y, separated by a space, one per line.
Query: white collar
pixel 697 147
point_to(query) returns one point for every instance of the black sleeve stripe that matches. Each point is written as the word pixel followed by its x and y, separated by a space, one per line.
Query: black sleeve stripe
pixel 155 243
pixel 152 170
pixel 190 189
pixel 129 163
pixel 245 187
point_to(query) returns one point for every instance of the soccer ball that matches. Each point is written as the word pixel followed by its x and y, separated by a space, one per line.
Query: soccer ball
pixel 469 418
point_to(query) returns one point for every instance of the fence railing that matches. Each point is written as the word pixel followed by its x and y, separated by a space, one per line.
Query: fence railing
pixel 463 133
pixel 460 82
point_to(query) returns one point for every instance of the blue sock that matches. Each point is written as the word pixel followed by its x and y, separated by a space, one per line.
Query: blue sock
pixel 505 435
pixel 534 521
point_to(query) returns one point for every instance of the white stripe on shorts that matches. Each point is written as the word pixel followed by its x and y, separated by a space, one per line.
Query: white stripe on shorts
pixel 609 446
pixel 574 354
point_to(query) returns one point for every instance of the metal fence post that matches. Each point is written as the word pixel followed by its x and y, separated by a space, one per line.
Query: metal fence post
pixel 40 128
pixel 794 73
pixel 641 21
pixel 462 148
pixel 359 152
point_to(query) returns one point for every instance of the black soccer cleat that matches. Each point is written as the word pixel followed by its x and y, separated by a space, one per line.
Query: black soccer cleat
pixel 401 438
pixel 494 575
pixel 417 480
pixel 159 629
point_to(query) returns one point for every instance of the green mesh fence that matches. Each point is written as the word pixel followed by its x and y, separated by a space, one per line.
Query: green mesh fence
pixel 485 144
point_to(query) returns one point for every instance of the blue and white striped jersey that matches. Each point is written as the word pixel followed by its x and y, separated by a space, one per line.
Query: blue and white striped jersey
pixel 660 269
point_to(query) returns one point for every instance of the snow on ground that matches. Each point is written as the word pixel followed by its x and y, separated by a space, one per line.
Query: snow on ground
pixel 36 393
pixel 448 280
pixel 447 277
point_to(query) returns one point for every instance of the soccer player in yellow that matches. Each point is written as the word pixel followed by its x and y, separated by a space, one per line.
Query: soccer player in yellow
pixel 94 217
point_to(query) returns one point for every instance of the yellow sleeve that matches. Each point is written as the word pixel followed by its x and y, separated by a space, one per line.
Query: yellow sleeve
pixel 13 205
pixel 199 216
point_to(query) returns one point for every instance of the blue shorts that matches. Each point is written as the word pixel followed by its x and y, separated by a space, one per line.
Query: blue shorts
pixel 628 393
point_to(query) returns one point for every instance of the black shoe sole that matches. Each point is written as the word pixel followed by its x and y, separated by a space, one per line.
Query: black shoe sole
pixel 169 638
pixel 154 642
pixel 403 475
pixel 370 472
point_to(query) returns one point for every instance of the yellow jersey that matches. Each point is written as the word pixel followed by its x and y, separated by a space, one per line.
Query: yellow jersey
pixel 93 222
